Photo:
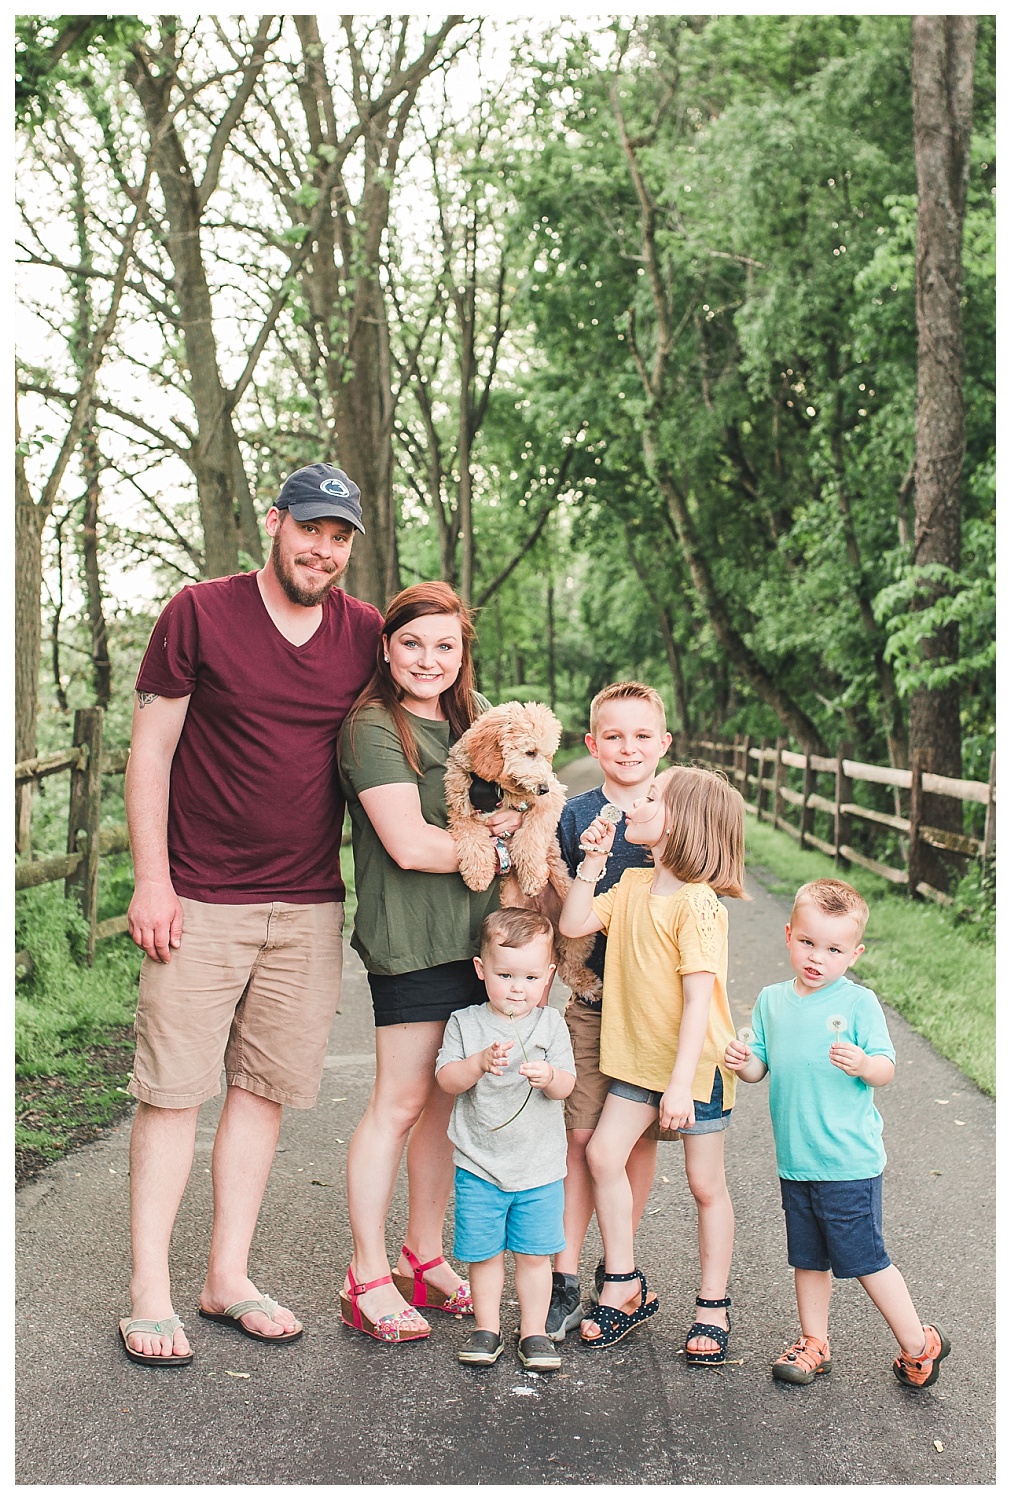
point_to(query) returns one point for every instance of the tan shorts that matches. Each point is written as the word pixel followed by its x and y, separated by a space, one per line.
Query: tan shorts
pixel 584 1104
pixel 255 987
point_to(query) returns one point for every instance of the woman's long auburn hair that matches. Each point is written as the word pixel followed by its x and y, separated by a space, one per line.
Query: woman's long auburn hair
pixel 457 702
pixel 705 815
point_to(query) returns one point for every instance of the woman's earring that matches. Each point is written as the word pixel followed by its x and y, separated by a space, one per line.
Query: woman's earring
pixel 386 658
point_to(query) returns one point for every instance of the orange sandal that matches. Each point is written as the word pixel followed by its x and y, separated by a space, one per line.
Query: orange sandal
pixel 416 1290
pixel 807 1358
pixel 389 1329
pixel 920 1370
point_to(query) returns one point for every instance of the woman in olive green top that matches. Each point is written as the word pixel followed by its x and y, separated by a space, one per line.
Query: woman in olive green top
pixel 416 928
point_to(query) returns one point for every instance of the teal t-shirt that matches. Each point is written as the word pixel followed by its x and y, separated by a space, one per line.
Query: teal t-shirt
pixel 826 1126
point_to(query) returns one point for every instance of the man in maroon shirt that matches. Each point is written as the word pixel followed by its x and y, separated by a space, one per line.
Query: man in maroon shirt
pixel 235 817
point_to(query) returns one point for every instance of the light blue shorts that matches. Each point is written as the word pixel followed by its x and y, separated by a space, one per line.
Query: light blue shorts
pixel 490 1220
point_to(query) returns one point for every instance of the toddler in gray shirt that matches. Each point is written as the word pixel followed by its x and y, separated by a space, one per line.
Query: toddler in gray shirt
pixel 509 1063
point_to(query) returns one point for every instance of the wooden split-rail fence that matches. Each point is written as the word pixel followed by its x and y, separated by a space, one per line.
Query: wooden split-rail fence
pixel 87 840
pixel 779 785
pixel 787 788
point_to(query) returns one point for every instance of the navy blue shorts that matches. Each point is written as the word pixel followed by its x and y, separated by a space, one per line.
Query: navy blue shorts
pixel 709 1115
pixel 835 1226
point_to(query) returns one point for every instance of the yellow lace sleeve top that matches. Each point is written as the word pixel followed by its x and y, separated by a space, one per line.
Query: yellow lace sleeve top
pixel 651 942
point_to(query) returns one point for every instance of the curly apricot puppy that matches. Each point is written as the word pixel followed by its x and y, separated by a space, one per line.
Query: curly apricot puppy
pixel 504 761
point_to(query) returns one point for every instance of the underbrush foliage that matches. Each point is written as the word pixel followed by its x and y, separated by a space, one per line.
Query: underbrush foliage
pixel 62 1007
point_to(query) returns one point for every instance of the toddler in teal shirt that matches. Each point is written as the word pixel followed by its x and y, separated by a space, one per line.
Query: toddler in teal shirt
pixel 824 1042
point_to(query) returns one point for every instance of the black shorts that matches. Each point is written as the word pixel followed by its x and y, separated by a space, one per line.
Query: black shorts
pixel 426 994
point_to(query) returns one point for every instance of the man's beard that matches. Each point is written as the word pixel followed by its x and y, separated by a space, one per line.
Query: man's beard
pixel 307 598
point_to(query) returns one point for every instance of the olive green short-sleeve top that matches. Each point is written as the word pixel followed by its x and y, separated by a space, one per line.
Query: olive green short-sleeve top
pixel 405 919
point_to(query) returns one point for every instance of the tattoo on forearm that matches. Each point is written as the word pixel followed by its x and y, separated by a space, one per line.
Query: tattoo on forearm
pixel 143 699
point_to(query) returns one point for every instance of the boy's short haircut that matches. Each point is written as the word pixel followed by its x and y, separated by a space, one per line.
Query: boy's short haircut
pixel 834 898
pixel 514 927
pixel 621 692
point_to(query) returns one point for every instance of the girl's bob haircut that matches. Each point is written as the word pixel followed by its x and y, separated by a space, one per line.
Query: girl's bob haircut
pixel 705 819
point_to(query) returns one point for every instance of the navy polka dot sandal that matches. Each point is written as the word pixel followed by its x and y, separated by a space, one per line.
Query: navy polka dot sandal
pixel 614 1323
pixel 712 1331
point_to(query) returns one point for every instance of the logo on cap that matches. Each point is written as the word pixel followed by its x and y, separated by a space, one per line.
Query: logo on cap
pixel 335 487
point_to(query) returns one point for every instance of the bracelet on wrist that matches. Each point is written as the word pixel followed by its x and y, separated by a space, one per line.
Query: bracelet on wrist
pixel 589 879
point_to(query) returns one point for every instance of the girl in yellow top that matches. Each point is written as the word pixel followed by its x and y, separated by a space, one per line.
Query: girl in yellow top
pixel 665 1024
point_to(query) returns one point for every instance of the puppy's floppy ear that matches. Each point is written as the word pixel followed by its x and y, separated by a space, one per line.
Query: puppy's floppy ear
pixel 483 745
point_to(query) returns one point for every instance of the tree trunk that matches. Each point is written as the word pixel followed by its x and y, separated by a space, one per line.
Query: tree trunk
pixel 943 54
pixel 654 382
pixel 28 525
pixel 891 709
pixel 100 665
pixel 343 280
pixel 739 654
pixel 666 624
pixel 363 445
pixel 226 510
pixel 211 456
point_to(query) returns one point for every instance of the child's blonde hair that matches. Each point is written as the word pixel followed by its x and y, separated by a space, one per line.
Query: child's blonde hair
pixel 705 819
pixel 834 898
pixel 620 692
pixel 514 927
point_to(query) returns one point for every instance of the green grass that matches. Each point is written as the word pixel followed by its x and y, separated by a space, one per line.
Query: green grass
pixel 62 1008
pixel 932 965
pixel 72 1047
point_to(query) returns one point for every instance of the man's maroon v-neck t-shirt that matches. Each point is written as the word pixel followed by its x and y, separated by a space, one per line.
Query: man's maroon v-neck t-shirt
pixel 255 808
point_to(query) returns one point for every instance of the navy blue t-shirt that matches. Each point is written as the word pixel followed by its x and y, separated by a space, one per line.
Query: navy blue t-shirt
pixel 577 815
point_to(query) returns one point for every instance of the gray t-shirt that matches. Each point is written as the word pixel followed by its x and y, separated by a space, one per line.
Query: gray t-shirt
pixel 529 1152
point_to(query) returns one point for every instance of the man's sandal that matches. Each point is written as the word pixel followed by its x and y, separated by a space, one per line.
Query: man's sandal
pixel 614 1323
pixel 232 1318
pixel 166 1326
pixel 416 1290
pixel 391 1328
pixel 805 1359
pixel 921 1370
pixel 712 1331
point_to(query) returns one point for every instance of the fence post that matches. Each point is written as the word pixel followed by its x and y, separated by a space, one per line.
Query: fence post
pixel 746 762
pixel 843 794
pixel 777 776
pixel 914 860
pixel 85 817
pixel 23 818
pixel 990 827
pixel 760 786
pixel 806 813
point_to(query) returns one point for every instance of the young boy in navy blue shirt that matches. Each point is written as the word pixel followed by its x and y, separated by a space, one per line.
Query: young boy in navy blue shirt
pixel 628 735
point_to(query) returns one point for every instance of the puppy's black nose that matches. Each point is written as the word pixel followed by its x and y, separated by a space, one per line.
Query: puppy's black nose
pixel 543 789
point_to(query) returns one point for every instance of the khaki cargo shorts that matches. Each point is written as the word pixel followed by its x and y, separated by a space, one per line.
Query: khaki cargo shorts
pixel 255 987
pixel 584 1104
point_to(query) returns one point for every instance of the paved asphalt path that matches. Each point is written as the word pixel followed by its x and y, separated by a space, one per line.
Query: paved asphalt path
pixel 338 1408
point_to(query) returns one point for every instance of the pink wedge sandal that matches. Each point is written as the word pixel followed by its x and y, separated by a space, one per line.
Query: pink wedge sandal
pixel 392 1328
pixel 416 1290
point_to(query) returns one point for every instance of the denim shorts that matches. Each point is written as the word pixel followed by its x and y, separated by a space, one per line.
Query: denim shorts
pixel 709 1116
pixel 835 1226
pixel 490 1220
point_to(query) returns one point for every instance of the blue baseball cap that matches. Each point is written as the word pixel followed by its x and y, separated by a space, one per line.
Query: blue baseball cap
pixel 321 490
